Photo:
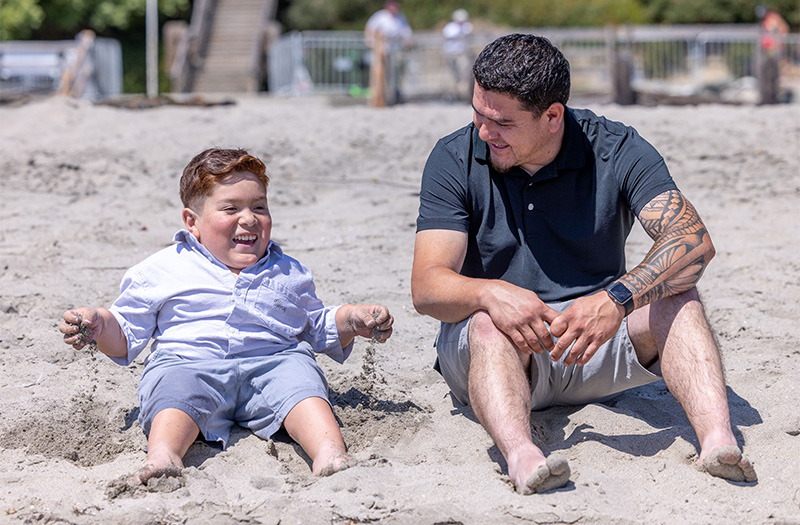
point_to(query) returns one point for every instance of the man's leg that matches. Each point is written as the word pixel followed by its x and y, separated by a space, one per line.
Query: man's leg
pixel 676 331
pixel 500 396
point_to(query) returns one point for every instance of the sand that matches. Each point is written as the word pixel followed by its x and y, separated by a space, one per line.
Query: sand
pixel 89 190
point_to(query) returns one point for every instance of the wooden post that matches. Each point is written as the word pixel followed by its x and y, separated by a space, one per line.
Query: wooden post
pixel 622 71
pixel 377 72
pixel 621 67
pixel 768 77
pixel 173 32
pixel 73 81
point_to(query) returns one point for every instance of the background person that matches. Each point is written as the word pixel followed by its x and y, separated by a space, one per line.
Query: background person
pixel 457 53
pixel 388 34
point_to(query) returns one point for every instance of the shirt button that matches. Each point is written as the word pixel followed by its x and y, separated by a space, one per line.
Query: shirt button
pixel 530 207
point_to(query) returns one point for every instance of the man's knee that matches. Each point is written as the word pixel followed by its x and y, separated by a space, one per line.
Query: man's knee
pixel 649 326
pixel 685 305
pixel 484 336
pixel 483 333
pixel 481 328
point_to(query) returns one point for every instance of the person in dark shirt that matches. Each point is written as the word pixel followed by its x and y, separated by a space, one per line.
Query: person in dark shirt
pixel 520 252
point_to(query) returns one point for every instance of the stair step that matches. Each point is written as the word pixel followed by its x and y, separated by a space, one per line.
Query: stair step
pixel 228 64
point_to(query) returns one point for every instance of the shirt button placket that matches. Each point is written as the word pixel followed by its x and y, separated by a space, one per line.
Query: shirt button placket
pixel 530 227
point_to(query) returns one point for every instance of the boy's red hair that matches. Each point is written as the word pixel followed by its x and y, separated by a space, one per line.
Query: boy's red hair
pixel 210 167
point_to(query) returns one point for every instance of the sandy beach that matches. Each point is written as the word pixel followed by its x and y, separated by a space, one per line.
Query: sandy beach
pixel 89 190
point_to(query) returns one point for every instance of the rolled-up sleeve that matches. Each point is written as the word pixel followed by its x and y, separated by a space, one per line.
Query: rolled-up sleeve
pixel 323 335
pixel 136 314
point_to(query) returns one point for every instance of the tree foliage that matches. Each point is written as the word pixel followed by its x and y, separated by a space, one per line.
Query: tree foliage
pixel 47 19
pixel 717 11
pixel 328 14
pixel 425 14
pixel 43 19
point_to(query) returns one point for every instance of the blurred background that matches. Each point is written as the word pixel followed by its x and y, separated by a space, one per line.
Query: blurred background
pixel 626 51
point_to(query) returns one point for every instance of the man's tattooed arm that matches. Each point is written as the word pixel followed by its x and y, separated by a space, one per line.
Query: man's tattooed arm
pixel 680 254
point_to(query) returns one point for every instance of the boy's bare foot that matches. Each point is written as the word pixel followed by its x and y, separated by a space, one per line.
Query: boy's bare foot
pixel 147 478
pixel 729 463
pixel 325 466
pixel 553 474
pixel 150 471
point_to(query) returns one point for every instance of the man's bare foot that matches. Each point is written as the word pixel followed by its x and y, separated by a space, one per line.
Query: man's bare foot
pixel 729 463
pixel 151 471
pixel 552 474
pixel 325 466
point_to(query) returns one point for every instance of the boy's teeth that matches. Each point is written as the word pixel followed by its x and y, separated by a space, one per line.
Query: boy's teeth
pixel 245 238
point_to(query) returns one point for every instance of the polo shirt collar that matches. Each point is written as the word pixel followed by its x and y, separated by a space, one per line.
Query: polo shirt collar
pixel 572 154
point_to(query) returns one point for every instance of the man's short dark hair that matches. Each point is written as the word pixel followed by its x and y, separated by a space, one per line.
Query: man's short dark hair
pixel 526 67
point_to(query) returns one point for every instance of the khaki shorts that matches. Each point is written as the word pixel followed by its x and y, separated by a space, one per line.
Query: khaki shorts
pixel 611 370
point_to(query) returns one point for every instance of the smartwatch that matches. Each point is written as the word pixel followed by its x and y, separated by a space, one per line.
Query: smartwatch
pixel 621 295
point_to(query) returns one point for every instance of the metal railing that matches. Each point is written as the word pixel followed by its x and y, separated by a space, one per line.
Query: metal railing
pixel 681 60
pixel 89 68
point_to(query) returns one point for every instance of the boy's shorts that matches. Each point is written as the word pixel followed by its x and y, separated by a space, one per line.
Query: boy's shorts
pixel 253 392
pixel 611 370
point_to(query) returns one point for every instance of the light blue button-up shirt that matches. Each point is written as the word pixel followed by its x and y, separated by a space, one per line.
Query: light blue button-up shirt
pixel 193 306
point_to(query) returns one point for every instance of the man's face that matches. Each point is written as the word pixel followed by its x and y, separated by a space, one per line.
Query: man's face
pixel 233 223
pixel 514 135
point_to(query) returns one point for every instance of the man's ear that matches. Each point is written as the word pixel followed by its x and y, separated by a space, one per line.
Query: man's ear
pixel 190 221
pixel 555 116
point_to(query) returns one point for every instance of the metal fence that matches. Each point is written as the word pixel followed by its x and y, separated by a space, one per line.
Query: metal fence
pixel 682 60
pixel 38 67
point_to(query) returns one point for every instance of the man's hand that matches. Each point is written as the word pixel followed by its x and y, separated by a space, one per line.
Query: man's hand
pixel 589 322
pixel 367 320
pixel 521 315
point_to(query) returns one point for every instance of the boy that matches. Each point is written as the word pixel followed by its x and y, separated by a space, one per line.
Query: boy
pixel 235 325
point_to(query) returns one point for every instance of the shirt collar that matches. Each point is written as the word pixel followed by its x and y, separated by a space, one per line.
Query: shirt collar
pixel 572 154
pixel 185 237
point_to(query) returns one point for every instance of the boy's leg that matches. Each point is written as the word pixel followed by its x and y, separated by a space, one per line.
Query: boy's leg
pixel 171 434
pixel 311 423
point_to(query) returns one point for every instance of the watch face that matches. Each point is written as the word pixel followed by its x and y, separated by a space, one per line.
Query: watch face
pixel 620 293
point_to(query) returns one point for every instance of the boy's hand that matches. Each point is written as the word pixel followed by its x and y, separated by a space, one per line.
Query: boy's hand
pixel 370 320
pixel 81 327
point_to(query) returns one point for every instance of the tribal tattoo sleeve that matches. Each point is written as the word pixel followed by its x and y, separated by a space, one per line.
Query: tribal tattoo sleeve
pixel 681 251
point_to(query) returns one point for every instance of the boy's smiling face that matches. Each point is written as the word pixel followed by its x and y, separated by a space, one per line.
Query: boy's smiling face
pixel 233 223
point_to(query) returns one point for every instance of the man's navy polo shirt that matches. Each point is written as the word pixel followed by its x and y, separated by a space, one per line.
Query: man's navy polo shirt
pixel 561 232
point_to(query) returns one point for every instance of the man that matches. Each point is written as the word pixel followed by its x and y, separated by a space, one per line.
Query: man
pixel 522 225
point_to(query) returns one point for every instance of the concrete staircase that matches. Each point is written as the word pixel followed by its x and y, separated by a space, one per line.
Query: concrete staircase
pixel 236 35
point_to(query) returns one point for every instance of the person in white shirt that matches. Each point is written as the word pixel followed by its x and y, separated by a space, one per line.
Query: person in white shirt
pixel 235 325
pixel 457 53
pixel 390 26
